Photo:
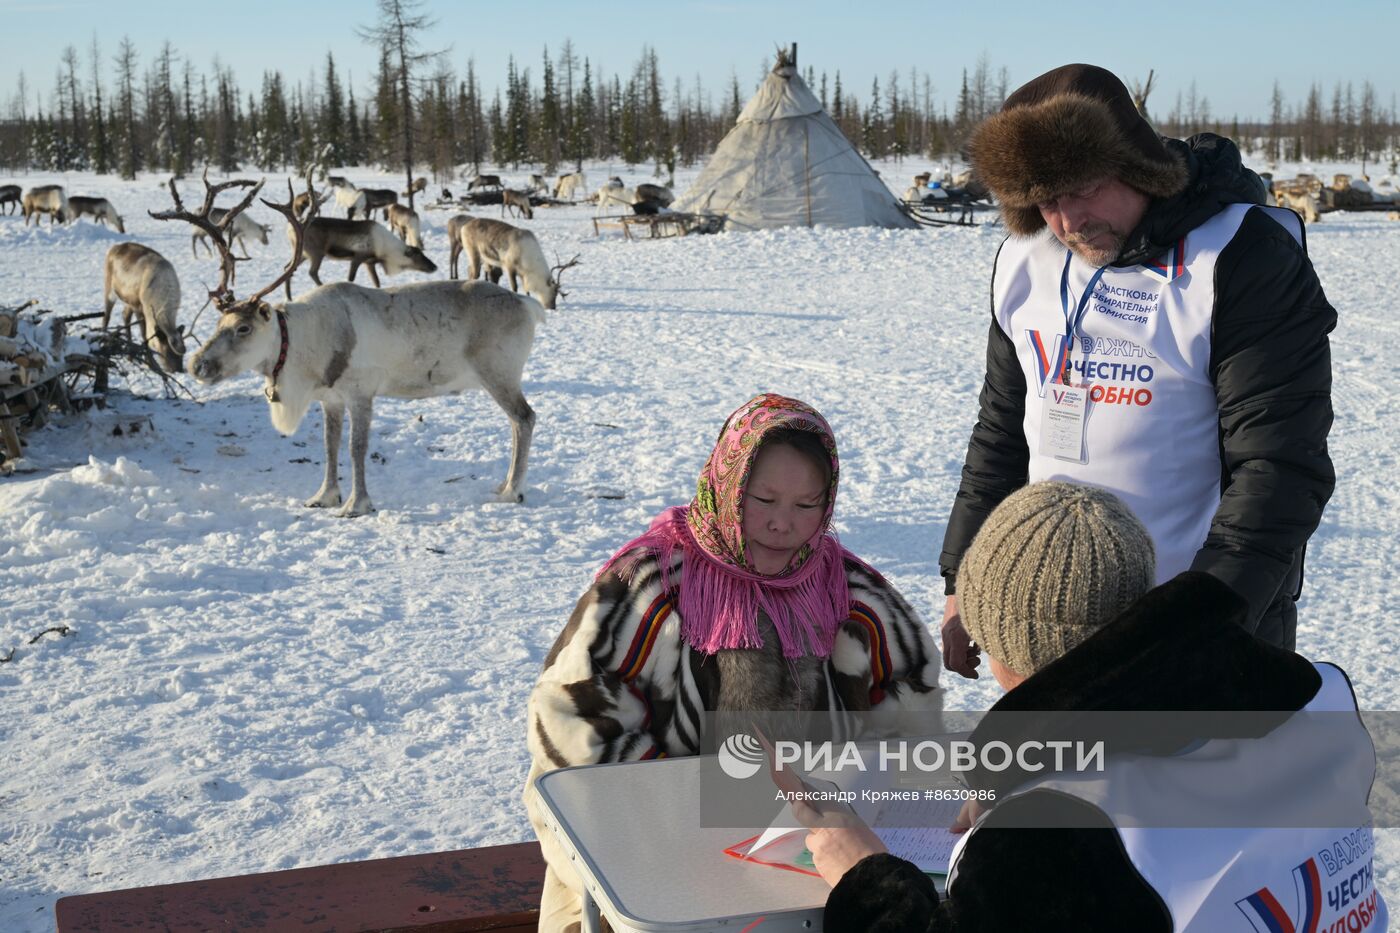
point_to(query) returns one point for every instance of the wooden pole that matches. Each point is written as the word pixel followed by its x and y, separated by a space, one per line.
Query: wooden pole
pixel 807 168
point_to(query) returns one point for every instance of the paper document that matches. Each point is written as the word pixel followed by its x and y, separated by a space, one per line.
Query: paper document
pixel 912 829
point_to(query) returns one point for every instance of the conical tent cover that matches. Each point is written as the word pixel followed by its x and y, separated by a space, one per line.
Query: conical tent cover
pixel 786 164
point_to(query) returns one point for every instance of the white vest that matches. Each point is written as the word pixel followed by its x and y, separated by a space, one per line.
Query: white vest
pixel 1144 345
pixel 1251 880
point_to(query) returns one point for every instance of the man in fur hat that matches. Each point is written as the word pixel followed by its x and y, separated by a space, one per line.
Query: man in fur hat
pixel 1156 331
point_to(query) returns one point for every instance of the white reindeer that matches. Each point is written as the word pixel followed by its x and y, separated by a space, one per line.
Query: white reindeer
pixel 99 209
pixel 241 227
pixel 343 345
pixel 494 244
pixel 46 199
pixel 610 195
pixel 348 196
pixel 146 282
pixel 568 185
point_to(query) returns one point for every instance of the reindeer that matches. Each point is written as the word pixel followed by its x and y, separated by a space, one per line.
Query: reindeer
pixel 343 345
pixel 9 194
pixel 419 184
pixel 347 196
pixel 484 181
pixel 241 227
pixel 1301 199
pixel 146 283
pixel 517 202
pixel 302 201
pixel 99 209
pixel 362 242
pixel 651 199
pixel 46 199
pixel 493 244
pixel 454 236
pixel 611 194
pixel 379 198
pixel 537 185
pixel 567 185
pixel 404 222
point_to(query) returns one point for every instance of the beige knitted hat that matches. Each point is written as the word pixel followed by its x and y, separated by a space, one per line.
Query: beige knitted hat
pixel 1052 564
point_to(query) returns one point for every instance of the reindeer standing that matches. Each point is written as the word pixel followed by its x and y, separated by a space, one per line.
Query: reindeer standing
pixel 343 345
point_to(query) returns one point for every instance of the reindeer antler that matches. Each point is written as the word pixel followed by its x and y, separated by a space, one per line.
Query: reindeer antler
pixel 222 294
pixel 557 272
pixel 298 226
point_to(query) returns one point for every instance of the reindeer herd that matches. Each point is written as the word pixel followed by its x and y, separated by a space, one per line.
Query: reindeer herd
pixel 342 344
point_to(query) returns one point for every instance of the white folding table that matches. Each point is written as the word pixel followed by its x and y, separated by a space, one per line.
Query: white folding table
pixel 633 832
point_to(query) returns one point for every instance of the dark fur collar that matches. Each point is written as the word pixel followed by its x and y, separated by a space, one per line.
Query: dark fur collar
pixel 1178 648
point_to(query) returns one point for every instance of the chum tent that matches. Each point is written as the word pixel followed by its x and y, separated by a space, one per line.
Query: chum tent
pixel 786 164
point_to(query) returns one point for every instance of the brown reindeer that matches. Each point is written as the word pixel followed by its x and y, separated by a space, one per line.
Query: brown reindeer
pixel 361 242
pixel 517 202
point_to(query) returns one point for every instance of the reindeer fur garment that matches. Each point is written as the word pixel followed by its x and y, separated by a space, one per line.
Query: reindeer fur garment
pixel 376 335
pixel 599 699
pixel 1069 128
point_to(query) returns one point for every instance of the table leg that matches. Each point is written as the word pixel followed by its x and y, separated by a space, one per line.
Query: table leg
pixel 592 920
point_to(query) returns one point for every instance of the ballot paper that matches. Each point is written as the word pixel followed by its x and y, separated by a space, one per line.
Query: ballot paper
pixel 911 822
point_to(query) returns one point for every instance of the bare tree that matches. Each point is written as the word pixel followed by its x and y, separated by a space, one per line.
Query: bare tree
pixel 1140 90
pixel 400 23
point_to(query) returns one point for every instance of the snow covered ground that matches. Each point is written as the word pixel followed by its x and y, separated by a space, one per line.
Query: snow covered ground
pixel 251 685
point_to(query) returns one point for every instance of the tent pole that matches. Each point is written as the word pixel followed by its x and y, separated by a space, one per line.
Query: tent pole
pixel 807 168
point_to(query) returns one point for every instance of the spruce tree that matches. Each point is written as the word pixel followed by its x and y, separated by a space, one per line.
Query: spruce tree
pixel 550 124
pixel 332 121
pixel 386 103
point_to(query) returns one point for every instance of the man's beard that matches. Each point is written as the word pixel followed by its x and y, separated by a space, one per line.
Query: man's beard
pixel 1079 244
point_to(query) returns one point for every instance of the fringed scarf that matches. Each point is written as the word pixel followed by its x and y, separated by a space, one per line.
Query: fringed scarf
pixel 720 591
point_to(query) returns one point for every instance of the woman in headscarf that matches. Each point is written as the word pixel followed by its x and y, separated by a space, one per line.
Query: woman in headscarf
pixel 742 600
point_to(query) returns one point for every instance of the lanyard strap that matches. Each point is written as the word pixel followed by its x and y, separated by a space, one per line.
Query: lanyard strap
pixel 1073 318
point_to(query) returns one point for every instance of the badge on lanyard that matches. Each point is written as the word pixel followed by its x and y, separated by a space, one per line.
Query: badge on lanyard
pixel 1064 413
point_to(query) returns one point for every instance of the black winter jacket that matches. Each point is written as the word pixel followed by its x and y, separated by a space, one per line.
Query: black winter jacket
pixel 1014 878
pixel 1272 371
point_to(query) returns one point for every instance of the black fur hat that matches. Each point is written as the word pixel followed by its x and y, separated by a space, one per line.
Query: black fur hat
pixel 1065 129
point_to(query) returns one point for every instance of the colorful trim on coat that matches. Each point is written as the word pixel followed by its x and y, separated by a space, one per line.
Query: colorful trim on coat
pixel 880 663
pixel 644 639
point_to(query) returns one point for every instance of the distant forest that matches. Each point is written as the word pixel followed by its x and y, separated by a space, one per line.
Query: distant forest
pixel 170 116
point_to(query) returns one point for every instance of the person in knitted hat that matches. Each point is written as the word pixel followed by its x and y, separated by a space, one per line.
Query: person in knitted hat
pixel 1155 331
pixel 1057 588
pixel 1093 560
pixel 743 600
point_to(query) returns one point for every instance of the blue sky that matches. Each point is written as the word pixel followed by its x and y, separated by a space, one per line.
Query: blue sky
pixel 1232 50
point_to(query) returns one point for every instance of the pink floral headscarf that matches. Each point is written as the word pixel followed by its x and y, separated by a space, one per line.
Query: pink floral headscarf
pixel 720 591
